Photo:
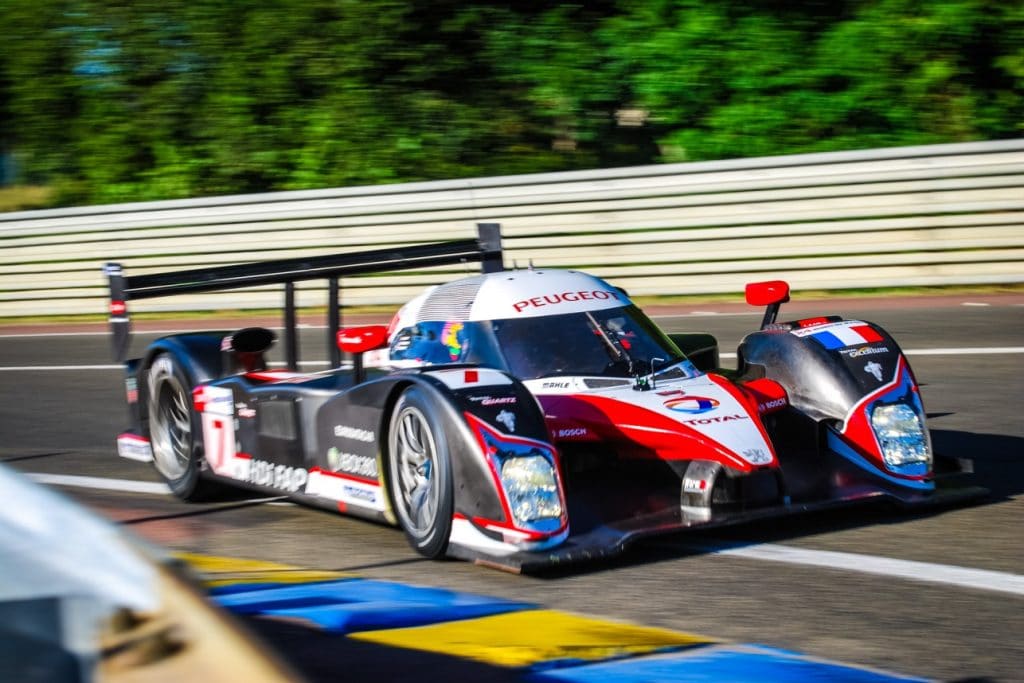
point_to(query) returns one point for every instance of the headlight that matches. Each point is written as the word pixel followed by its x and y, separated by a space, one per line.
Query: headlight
pixel 529 483
pixel 901 435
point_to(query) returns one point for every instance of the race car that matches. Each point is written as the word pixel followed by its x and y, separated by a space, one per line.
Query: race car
pixel 525 418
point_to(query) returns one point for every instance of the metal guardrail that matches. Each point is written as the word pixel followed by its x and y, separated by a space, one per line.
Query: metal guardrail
pixel 931 215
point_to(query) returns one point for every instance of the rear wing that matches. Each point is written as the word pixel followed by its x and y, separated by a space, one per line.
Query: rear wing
pixel 486 249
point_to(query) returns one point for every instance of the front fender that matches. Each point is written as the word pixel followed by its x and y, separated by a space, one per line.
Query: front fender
pixel 463 396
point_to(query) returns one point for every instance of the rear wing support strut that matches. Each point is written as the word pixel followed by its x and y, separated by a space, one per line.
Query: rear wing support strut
pixel 485 249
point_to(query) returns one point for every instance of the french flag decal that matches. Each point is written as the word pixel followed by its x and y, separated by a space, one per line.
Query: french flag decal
pixel 841 336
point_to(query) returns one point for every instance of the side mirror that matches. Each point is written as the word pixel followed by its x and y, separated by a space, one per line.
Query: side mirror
pixel 772 294
pixel 363 338
pixel 767 293
pixel 359 340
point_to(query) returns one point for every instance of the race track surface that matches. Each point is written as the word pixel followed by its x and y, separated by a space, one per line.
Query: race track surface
pixel 952 609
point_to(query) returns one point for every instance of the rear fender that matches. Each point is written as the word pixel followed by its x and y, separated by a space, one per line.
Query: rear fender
pixel 198 354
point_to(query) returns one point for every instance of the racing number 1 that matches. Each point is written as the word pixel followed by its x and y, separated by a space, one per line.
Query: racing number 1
pixel 219 441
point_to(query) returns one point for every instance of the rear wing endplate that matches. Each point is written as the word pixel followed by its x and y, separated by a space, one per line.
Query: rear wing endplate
pixel 485 249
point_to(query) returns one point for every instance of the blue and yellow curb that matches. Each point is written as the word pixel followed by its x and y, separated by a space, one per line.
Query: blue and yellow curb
pixel 544 645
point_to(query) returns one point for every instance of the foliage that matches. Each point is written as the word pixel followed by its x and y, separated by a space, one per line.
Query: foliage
pixel 156 99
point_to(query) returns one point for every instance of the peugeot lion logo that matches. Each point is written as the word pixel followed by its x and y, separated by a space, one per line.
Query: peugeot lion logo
pixel 875 369
pixel 508 419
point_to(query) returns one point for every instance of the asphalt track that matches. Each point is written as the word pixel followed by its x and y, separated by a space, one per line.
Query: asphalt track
pixel 817 584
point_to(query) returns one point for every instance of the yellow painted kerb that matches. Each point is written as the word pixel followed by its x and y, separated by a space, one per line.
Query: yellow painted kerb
pixel 226 571
pixel 520 639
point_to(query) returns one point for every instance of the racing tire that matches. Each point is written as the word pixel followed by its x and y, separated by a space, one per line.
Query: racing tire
pixel 172 427
pixel 420 473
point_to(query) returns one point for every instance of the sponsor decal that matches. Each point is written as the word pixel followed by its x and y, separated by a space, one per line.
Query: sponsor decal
pixel 349 491
pixel 361 465
pixel 838 336
pixel 493 400
pixel 450 338
pixel 359 493
pixel 462 378
pixel 282 477
pixel 118 308
pixel 508 419
pixel 214 400
pixel 714 420
pixel 875 369
pixel 131 390
pixel 864 351
pixel 771 405
pixel 571 432
pixel 691 485
pixel 243 410
pixel 564 297
pixel 693 405
pixel 556 385
pixel 354 433
pixel 134 448
pixel 757 456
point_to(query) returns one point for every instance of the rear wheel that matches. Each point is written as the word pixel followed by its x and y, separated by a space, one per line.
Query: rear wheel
pixel 419 473
pixel 173 427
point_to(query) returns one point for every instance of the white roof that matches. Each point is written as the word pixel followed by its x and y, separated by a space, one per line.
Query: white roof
pixel 533 293
pixel 510 294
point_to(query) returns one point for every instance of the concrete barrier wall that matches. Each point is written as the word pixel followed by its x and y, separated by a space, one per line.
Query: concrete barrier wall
pixel 931 215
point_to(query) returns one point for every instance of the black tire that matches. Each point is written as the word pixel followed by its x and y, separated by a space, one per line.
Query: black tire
pixel 173 428
pixel 420 473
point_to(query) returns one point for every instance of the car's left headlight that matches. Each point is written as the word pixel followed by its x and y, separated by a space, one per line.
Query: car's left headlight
pixel 532 490
pixel 902 437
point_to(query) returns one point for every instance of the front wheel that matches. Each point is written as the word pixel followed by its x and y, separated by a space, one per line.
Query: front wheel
pixel 172 429
pixel 420 473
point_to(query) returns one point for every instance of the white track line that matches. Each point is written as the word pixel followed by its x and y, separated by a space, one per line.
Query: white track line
pixel 970 350
pixel 106 333
pixel 100 483
pixel 978 350
pixel 963 577
pixel 26 368
pixel 121 485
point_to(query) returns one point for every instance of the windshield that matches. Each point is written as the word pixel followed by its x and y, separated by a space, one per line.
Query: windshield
pixel 613 342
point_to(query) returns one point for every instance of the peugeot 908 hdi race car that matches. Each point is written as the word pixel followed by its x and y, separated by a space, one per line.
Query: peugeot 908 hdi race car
pixel 530 417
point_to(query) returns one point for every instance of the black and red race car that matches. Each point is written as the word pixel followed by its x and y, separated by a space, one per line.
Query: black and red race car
pixel 523 418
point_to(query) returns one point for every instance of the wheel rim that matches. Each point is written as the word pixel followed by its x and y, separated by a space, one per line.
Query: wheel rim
pixel 415 460
pixel 170 428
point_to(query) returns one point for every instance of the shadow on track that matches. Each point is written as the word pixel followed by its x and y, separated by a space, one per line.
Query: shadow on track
pixel 18 458
pixel 998 459
pixel 998 466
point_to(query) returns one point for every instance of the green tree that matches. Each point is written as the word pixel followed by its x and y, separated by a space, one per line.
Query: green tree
pixel 146 100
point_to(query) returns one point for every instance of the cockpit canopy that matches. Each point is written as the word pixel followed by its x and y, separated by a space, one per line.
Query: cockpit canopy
pixel 610 342
pixel 534 323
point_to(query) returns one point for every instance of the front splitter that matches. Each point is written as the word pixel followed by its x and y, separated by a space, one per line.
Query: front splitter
pixel 613 538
